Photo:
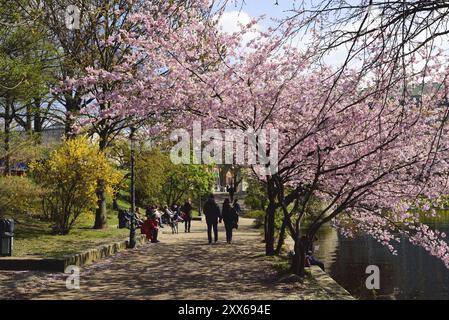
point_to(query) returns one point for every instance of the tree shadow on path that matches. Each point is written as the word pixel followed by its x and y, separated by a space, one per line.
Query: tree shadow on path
pixel 184 266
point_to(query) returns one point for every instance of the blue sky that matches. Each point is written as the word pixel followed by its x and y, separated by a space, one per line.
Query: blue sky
pixel 256 8
pixel 236 13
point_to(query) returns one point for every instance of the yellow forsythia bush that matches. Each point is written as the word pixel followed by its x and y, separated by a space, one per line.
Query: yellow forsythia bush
pixel 70 175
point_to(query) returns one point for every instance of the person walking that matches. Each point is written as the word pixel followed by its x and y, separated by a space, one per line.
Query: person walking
pixel 237 207
pixel 231 192
pixel 187 215
pixel 230 219
pixel 212 213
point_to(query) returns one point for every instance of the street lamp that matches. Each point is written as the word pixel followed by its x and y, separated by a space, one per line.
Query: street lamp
pixel 132 232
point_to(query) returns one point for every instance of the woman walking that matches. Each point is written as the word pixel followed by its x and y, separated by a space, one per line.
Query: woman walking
pixel 186 209
pixel 230 218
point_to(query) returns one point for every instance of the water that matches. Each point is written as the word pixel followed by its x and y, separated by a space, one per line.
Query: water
pixel 412 274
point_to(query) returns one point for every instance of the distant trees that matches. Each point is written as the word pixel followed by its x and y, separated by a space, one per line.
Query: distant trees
pixel 159 181
pixel 187 181
pixel 24 77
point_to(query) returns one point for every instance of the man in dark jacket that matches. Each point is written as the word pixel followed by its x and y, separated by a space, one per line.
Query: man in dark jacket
pixel 212 213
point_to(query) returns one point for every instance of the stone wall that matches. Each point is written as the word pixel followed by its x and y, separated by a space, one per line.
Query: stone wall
pixel 323 279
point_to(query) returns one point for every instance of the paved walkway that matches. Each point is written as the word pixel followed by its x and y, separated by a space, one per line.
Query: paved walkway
pixel 182 266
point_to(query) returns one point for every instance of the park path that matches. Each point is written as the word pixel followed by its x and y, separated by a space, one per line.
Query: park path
pixel 181 266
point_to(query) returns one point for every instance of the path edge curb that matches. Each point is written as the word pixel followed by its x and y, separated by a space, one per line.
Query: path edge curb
pixel 80 259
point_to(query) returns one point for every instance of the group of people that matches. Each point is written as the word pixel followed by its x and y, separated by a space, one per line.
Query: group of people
pixel 157 218
pixel 229 215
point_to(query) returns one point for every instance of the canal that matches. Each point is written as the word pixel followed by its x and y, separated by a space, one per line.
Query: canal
pixel 412 274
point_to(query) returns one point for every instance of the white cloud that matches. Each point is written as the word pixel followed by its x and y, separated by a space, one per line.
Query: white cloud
pixel 231 22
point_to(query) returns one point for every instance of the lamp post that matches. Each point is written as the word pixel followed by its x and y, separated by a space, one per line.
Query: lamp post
pixel 132 229
pixel 201 206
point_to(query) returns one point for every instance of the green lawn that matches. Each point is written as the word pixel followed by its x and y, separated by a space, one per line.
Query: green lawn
pixel 122 199
pixel 33 237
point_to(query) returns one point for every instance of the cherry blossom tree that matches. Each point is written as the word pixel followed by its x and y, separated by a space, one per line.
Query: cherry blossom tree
pixel 401 38
pixel 369 147
pixel 372 157
pixel 126 79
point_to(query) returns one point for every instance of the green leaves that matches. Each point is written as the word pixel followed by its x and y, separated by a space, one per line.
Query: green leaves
pixel 159 181
pixel 24 53
pixel 18 195
pixel 71 176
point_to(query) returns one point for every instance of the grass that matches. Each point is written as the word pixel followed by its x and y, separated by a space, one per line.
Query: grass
pixel 195 213
pixel 281 265
pixel 33 237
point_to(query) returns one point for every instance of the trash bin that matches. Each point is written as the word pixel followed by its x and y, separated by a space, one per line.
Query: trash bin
pixel 6 237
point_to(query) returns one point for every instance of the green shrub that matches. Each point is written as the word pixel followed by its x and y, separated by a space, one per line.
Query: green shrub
pixel 151 170
pixel 255 214
pixel 258 216
pixel 255 198
pixel 18 195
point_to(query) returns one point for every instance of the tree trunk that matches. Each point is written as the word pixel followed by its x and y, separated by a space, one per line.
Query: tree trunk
pixel 6 140
pixel 101 220
pixel 236 172
pixel 281 237
pixel 115 203
pixel 72 108
pixel 37 120
pixel 269 236
pixel 299 257
pixel 7 158
pixel 270 221
pixel 29 120
pixel 265 224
